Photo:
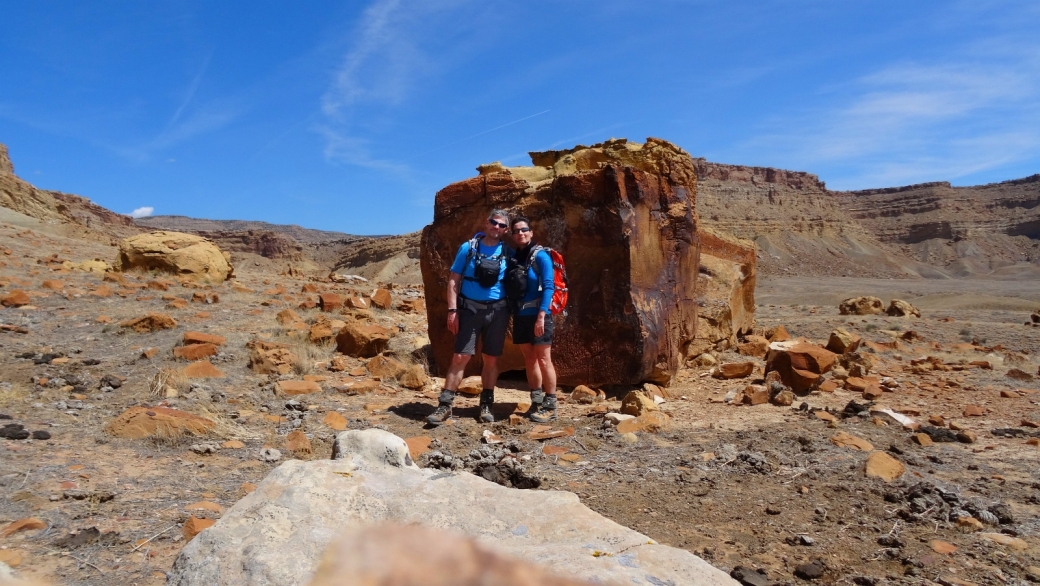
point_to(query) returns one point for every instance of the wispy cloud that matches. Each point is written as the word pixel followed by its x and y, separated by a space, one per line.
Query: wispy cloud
pixel 916 121
pixel 189 95
pixel 142 212
pixel 387 60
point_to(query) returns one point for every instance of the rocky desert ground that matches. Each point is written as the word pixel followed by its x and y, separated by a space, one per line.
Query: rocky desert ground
pixel 137 407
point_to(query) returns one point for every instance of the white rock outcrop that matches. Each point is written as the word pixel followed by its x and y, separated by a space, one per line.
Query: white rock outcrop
pixel 277 533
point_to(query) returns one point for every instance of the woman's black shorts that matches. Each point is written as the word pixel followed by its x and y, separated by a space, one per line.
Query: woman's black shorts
pixel 523 330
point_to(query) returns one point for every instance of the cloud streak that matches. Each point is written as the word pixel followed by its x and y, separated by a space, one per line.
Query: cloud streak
pixel 914 121
pixel 190 93
pixel 142 212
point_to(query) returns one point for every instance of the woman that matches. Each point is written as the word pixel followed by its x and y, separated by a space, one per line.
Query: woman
pixel 532 322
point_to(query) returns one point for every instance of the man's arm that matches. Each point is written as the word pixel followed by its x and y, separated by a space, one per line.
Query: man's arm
pixel 454 283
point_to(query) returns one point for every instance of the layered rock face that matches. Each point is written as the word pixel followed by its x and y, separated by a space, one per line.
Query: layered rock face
pixel 962 231
pixel 622 214
pixel 18 195
pixel 798 225
pixel 930 230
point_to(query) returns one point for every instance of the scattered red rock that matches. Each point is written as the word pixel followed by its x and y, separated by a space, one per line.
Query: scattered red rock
pixel 298 443
pixel 330 301
pixel 26 524
pixel 731 370
pixel 335 421
pixel 800 365
pixel 297 387
pixel 193 526
pixel 202 369
pixel 140 422
pixel 363 341
pixel 16 298
pixel 382 299
pixel 203 338
pixel 270 357
pixel 151 322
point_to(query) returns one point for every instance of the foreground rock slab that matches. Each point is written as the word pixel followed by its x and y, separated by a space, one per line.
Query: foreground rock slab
pixel 275 535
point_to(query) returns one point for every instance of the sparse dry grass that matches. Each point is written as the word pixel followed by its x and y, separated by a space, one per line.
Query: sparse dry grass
pixel 306 353
pixel 227 428
pixel 13 393
pixel 167 376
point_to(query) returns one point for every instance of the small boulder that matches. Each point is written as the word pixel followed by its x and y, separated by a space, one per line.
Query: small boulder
pixel 152 322
pixel 637 403
pixel 330 301
pixel 414 377
pixel 900 308
pixel 382 299
pixel 16 298
pixel 731 370
pixel 363 341
pixel 754 346
pixel 799 365
pixel 841 342
pixel 583 395
pixel 861 306
pixel 881 465
pixel 203 338
pixel 140 422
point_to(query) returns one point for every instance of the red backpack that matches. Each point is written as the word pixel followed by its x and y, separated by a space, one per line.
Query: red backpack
pixel 559 298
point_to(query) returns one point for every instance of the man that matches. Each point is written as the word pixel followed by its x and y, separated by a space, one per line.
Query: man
pixel 477 307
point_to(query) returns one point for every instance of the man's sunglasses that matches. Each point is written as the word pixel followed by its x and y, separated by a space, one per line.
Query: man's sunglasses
pixel 521 230
pixel 497 223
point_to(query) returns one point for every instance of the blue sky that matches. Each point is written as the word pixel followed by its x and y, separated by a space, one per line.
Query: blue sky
pixel 350 116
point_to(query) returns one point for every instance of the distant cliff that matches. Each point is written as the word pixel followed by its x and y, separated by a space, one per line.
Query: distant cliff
pixel 930 229
pixel 19 195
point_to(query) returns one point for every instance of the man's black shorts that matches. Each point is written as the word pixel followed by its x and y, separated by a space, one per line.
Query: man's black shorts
pixel 486 320
pixel 523 330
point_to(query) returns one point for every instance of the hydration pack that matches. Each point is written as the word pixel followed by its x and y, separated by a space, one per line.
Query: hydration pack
pixel 516 279
pixel 486 268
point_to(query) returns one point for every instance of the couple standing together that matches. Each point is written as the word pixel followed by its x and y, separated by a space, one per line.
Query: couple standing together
pixel 478 305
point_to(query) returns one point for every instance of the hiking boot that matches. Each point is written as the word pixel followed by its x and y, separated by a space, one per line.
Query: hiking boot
pixel 487 399
pixel 537 396
pixel 443 411
pixel 546 411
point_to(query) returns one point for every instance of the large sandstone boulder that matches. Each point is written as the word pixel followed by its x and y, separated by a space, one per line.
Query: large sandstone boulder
pixel 623 216
pixel 175 252
pixel 861 306
pixel 275 535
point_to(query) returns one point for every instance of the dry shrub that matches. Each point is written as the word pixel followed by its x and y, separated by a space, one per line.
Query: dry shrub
pixel 227 428
pixel 168 377
pixel 305 353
